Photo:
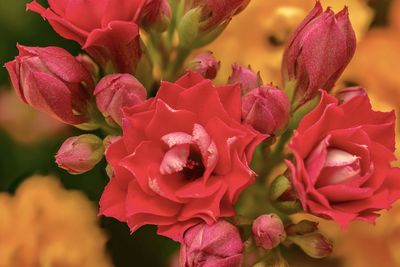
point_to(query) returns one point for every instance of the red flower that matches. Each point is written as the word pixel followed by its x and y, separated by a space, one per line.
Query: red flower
pixel 183 158
pixel 106 29
pixel 343 154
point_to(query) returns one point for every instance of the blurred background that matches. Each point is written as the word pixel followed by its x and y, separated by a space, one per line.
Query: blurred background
pixel 29 141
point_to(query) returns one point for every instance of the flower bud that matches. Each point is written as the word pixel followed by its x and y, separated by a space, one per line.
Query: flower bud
pixel 314 245
pixel 216 12
pixel 53 81
pixel 346 94
pixel 268 231
pixel 156 14
pixel 89 64
pixel 246 77
pixel 205 20
pixel 302 228
pixel 79 154
pixel 317 53
pixel 283 196
pixel 116 91
pixel 266 108
pixel 216 245
pixel 206 65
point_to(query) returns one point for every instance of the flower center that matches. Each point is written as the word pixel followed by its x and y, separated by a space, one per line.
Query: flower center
pixel 193 156
pixel 194 165
pixel 340 167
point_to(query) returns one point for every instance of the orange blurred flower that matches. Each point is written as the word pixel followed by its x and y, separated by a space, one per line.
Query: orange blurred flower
pixel 46 225
pixel 365 245
pixel 394 14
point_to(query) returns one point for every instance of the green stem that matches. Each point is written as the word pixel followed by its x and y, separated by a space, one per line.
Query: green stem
pixel 276 156
pixel 158 43
pixel 175 68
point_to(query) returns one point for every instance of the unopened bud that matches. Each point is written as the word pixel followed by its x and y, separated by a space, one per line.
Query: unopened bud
pixel 266 108
pixel 53 81
pixel 206 65
pixel 317 53
pixel 156 14
pixel 213 245
pixel 89 65
pixel 79 154
pixel 283 196
pixel 302 228
pixel 246 77
pixel 116 91
pixel 314 245
pixel 268 231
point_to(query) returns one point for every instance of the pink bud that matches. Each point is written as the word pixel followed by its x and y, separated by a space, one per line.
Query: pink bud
pixel 268 231
pixel 217 12
pixel 116 91
pixel 156 14
pixel 52 81
pixel 206 65
pixel 247 78
pixel 318 52
pixel 216 245
pixel 346 94
pixel 266 108
pixel 79 154
pixel 89 64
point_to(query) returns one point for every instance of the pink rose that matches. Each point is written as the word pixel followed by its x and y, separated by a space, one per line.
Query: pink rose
pixel 342 160
pixel 182 159
pixel 106 29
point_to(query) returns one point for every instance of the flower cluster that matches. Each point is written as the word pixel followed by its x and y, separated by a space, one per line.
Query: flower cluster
pixel 182 151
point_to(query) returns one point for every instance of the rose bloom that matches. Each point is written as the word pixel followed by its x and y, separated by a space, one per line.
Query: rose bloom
pixel 342 160
pixel 106 29
pixel 45 225
pixel 183 158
